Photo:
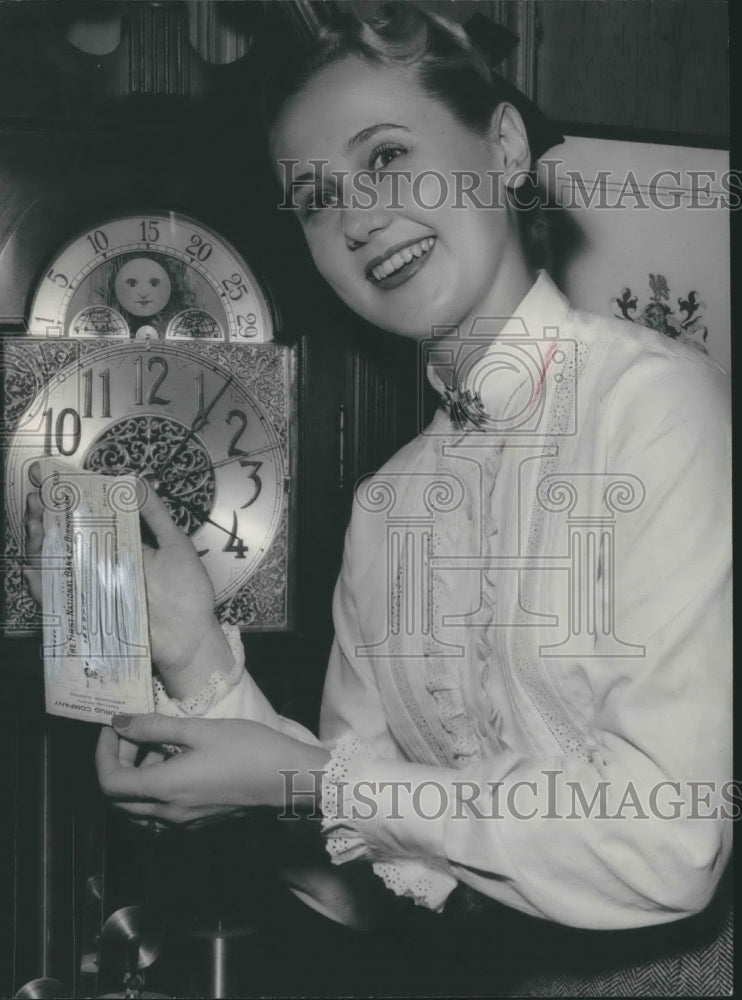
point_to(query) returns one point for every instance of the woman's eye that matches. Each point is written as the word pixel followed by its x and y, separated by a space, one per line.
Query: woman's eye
pixel 131 282
pixel 382 156
pixel 324 198
pixel 154 282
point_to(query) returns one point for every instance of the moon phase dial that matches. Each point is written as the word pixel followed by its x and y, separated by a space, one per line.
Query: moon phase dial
pixel 151 351
pixel 159 271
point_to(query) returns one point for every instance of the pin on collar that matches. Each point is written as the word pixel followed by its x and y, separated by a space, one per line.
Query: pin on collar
pixel 464 406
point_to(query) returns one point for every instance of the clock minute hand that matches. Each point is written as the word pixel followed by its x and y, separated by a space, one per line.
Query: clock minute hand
pixel 246 455
pixel 200 421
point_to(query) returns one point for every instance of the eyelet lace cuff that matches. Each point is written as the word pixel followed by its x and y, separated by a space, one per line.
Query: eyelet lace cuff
pixel 216 687
pixel 426 885
pixel 343 842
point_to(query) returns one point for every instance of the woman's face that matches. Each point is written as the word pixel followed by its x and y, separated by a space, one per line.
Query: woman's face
pixel 143 286
pixel 408 262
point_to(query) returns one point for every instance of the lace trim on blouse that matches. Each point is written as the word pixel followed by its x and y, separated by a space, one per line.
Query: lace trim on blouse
pixel 216 687
pixel 428 887
pixel 443 682
pixel 343 842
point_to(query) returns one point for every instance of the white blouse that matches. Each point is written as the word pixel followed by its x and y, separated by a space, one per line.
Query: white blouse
pixel 529 689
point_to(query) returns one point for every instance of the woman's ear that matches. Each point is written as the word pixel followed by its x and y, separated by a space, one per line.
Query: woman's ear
pixel 508 131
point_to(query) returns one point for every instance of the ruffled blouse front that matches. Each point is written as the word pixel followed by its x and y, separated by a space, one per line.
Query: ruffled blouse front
pixel 523 606
pixel 471 658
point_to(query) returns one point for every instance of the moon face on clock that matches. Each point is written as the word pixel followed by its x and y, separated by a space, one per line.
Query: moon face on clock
pixel 147 270
pixel 184 423
pixel 142 286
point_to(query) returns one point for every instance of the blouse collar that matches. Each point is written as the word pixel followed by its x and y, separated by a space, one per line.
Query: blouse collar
pixel 501 372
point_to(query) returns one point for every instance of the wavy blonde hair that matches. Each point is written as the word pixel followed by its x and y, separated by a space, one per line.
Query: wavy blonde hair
pixel 449 68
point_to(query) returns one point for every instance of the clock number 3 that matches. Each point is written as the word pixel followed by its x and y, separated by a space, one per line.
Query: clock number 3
pixel 233 451
pixel 254 477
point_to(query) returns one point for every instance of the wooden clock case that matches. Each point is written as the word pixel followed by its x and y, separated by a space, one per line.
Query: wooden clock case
pixel 85 137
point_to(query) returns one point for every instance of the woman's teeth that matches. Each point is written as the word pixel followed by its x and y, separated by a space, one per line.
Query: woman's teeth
pixel 402 257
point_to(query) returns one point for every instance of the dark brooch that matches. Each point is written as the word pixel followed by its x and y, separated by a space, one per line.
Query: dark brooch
pixel 464 407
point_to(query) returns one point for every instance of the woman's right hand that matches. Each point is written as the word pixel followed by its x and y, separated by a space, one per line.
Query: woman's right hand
pixel 186 639
pixel 34 525
pixel 225 765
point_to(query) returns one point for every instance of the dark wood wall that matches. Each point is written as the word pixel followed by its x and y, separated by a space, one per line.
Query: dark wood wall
pixel 641 68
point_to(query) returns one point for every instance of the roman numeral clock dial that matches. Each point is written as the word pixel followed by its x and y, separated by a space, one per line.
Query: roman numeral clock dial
pixel 141 363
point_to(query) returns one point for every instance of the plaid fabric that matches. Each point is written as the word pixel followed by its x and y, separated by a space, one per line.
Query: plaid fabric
pixel 505 953
pixel 703 971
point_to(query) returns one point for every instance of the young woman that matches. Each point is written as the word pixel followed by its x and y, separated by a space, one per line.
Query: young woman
pixel 529 689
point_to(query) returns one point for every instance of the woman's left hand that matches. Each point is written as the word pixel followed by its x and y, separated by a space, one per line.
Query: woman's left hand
pixel 227 766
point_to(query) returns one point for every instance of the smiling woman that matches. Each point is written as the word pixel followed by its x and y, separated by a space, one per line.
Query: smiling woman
pixel 514 721
pixel 417 163
pixel 474 258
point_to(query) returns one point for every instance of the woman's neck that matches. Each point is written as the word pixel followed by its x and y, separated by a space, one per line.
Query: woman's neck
pixel 513 281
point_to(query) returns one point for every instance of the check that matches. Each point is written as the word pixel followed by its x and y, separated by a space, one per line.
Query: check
pixel 96 638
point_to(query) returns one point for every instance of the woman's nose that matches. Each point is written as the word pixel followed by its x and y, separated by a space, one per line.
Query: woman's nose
pixel 360 224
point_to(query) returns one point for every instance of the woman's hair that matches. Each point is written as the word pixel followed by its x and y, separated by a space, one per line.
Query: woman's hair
pixel 449 67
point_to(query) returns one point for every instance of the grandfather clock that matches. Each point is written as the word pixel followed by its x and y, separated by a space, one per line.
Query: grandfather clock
pixel 130 142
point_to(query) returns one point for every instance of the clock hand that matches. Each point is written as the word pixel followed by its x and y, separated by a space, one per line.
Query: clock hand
pixel 235 543
pixel 199 422
pixel 219 526
pixel 195 427
pixel 245 456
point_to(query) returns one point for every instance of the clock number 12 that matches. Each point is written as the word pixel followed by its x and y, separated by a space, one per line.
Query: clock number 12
pixel 152 398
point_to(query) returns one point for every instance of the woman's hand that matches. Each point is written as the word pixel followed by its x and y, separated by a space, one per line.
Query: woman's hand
pixel 186 640
pixel 227 765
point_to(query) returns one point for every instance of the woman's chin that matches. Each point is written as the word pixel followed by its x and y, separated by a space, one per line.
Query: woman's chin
pixel 431 322
pixel 412 328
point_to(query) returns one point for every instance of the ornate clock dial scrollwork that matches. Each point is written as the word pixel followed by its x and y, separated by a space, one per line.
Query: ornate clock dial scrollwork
pixel 207 424
pixel 144 445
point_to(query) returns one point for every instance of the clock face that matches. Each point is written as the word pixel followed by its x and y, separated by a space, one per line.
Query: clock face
pixel 154 276
pixel 206 425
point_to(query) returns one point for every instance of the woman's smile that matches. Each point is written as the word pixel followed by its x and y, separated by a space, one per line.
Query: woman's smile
pixel 446 261
pixel 400 262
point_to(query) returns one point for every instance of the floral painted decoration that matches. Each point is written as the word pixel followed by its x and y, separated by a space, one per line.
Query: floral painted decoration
pixel 686 325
